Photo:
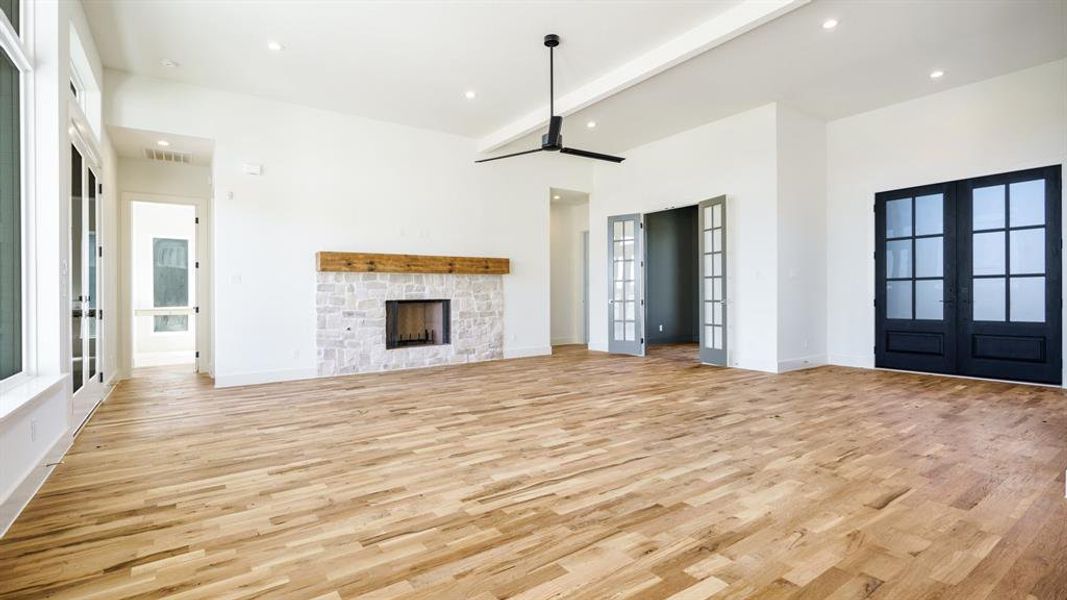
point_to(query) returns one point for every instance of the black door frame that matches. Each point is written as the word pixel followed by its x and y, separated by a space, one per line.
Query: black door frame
pixel 951 346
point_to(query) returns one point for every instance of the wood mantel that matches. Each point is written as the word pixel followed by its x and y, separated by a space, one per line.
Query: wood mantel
pixel 364 262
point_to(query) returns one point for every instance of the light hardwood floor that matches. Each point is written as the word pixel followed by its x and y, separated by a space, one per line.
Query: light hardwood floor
pixel 580 475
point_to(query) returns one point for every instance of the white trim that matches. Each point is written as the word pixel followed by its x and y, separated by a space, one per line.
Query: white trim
pixel 803 362
pixel 260 377
pixel 570 341
pixel 527 351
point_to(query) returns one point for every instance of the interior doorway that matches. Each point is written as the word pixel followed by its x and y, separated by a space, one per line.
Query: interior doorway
pixel 569 264
pixel 672 294
pixel 163 284
pixel 660 265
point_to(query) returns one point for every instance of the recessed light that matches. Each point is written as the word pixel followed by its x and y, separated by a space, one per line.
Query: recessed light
pixel 275 47
pixel 470 94
pixel 556 197
pixel 591 124
pixel 166 62
pixel 829 23
pixel 163 143
pixel 938 74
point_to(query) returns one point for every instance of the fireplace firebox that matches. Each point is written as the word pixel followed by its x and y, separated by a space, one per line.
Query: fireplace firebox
pixel 417 323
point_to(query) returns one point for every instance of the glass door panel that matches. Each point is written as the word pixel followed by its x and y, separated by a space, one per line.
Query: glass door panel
pixel 1010 263
pixel 625 301
pixel 712 222
pixel 914 330
pixel 92 288
pixel 77 297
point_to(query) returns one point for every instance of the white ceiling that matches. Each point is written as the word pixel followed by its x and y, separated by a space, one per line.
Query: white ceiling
pixel 882 52
pixel 410 61
pixel 567 197
pixel 405 61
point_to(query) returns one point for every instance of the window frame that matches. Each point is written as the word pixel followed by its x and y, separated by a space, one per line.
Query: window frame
pixel 15 46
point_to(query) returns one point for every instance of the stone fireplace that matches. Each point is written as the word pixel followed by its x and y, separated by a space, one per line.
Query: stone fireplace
pixel 376 321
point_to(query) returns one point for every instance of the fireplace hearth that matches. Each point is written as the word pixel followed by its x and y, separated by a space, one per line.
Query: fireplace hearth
pixel 411 323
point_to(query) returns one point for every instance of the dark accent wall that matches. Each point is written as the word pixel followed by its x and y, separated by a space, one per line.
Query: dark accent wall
pixel 672 275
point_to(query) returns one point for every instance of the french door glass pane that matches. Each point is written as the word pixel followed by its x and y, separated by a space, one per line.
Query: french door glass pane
pixel 1027 203
pixel 617 232
pixel 929 256
pixel 1028 299
pixel 929 214
pixel 988 253
pixel 989 299
pixel 929 296
pixel 987 206
pixel 898 258
pixel 91 300
pixel 77 344
pixel 898 299
pixel 1027 251
pixel 898 218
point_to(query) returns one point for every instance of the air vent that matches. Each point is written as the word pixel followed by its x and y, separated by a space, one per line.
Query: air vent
pixel 168 155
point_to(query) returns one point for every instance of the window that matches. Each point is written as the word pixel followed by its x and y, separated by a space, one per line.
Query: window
pixel 11 309
pixel 170 282
pixel 10 8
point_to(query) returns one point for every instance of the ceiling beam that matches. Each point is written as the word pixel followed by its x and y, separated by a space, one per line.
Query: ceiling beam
pixel 727 25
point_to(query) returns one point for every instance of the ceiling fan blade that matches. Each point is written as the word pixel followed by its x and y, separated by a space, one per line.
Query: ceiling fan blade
pixel 588 154
pixel 509 155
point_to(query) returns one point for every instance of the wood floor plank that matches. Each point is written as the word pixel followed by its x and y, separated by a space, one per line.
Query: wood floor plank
pixel 581 475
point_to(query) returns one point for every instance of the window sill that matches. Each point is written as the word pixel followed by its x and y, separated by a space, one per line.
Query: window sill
pixel 25 392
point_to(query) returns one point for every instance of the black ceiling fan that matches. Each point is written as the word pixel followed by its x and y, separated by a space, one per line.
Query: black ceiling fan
pixel 553 140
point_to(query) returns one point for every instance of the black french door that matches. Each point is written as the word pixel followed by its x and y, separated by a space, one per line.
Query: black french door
pixel 968 277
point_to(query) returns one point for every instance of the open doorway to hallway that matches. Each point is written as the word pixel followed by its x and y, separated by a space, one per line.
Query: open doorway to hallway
pixel 569 264
pixel 163 243
pixel 672 278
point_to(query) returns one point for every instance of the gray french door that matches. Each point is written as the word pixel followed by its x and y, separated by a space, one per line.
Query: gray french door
pixel 712 220
pixel 626 332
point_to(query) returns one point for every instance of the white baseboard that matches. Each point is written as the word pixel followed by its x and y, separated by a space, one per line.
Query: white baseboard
pixel 567 341
pixel 803 362
pixel 258 377
pixel 848 360
pixel 598 346
pixel 20 497
pixel 527 351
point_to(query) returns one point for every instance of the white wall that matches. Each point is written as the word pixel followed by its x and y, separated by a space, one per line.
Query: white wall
pixel 1008 123
pixel 163 178
pixel 735 156
pixel 801 240
pixel 568 221
pixel 338 182
pixel 151 220
pixel 39 430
